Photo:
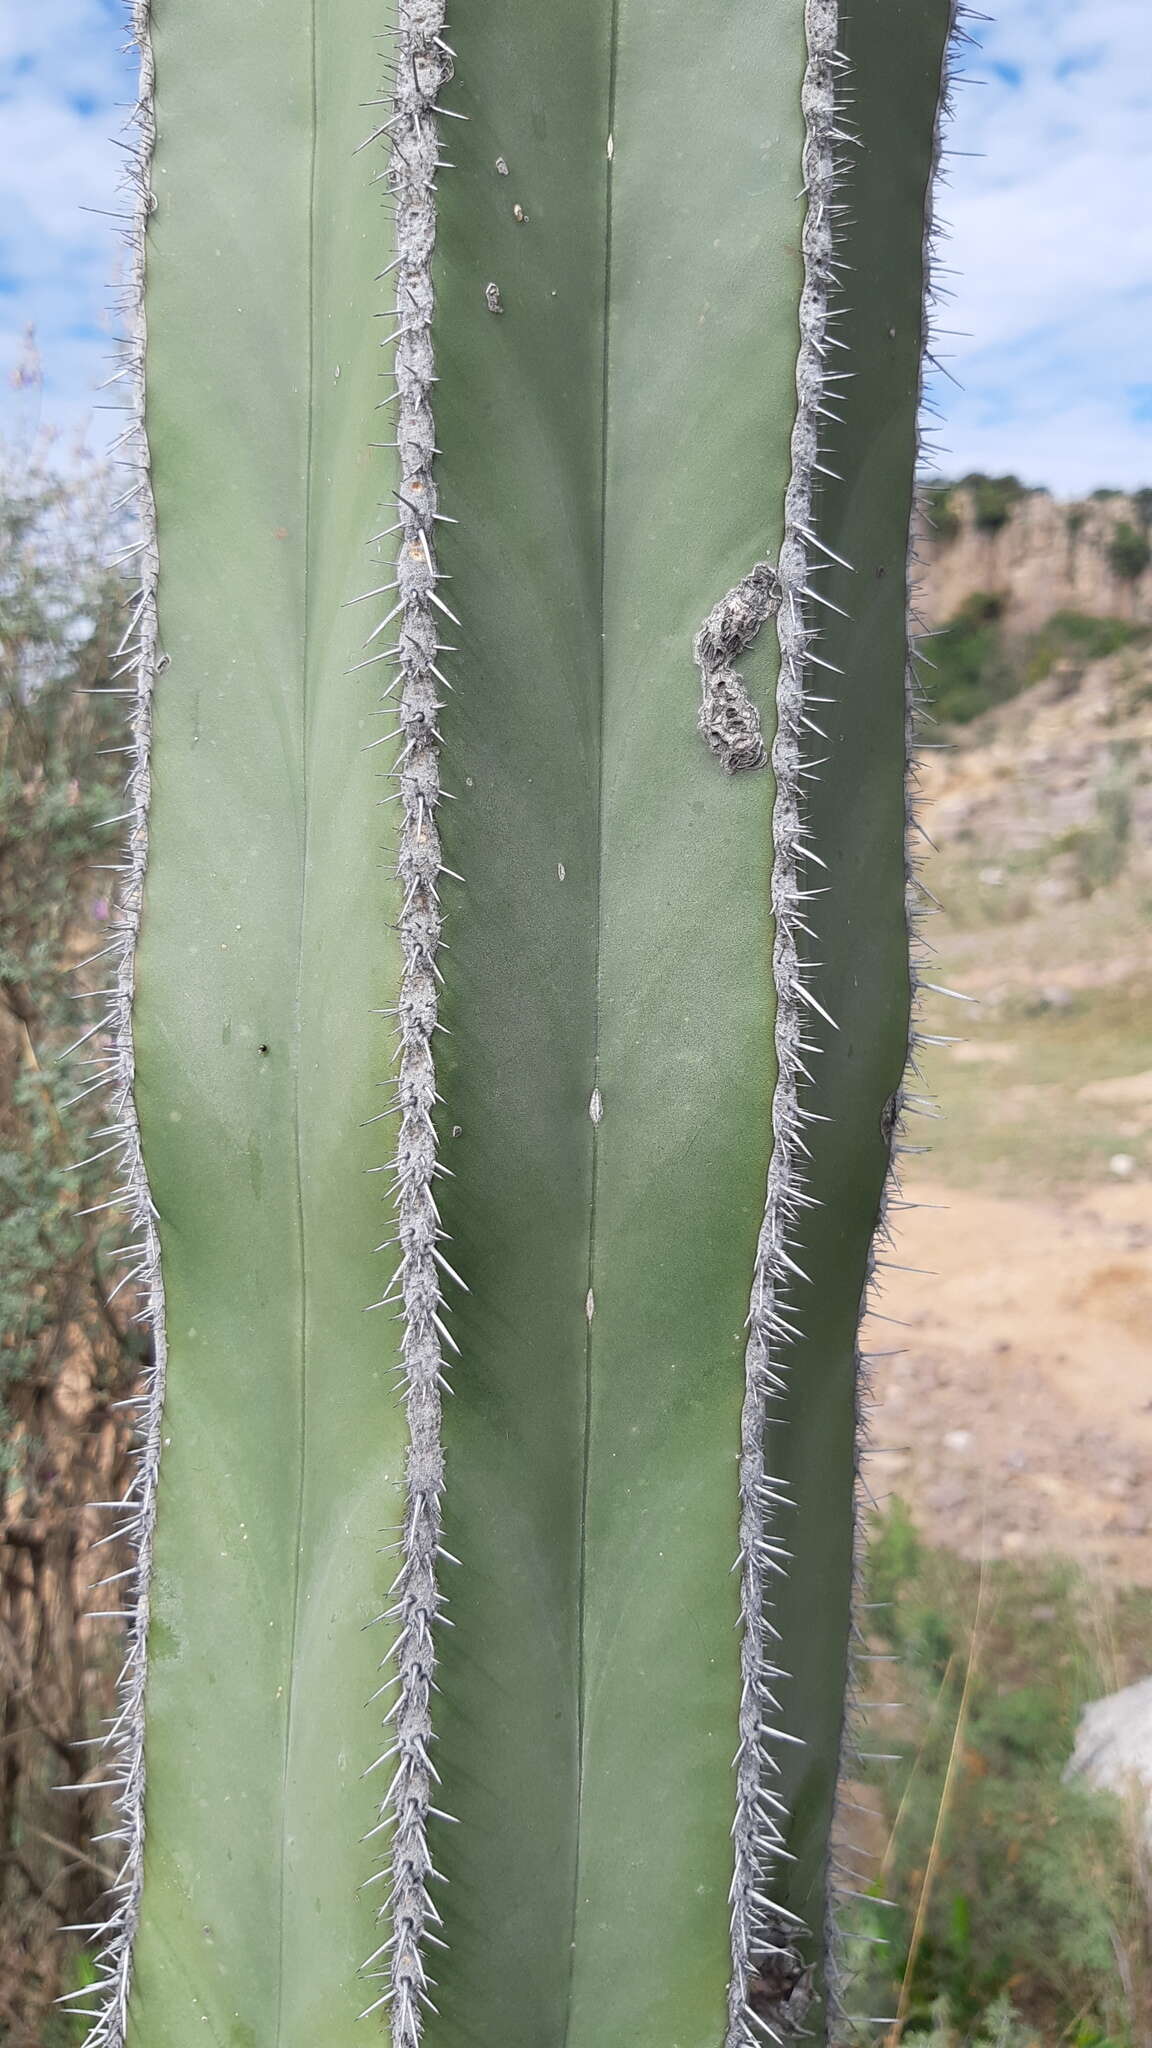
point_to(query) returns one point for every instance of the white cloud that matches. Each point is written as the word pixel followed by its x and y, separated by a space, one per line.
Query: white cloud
pixel 1049 204
pixel 1052 242
pixel 65 86
pixel 56 163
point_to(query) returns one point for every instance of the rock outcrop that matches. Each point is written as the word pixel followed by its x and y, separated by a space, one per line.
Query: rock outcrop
pixel 1046 556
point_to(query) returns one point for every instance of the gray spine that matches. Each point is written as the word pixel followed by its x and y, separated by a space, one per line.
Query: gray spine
pixel 762 1931
pixel 423 67
pixel 113 1062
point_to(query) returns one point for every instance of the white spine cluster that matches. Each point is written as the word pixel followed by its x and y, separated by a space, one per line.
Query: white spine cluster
pixel 763 1954
pixel 111 1064
pixel 423 67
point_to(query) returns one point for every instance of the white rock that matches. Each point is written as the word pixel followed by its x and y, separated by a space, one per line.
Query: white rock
pixel 1114 1746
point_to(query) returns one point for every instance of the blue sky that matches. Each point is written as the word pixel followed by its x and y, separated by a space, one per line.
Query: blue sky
pixel 64 81
pixel 1052 241
pixel 1049 200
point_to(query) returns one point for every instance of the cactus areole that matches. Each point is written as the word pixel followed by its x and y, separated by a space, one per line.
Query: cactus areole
pixel 513 1002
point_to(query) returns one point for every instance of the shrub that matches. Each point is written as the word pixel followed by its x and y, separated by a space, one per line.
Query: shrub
pixel 1129 553
pixel 993 499
pixel 973 665
pixel 967 670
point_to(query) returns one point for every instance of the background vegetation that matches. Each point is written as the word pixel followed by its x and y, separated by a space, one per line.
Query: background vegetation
pixel 972 664
pixel 68 1352
pixel 1021 1904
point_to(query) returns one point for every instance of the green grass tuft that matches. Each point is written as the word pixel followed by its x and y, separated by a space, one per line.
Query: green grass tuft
pixel 1037 1926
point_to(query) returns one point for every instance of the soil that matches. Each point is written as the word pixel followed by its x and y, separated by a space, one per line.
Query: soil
pixel 1016 1416
pixel 1013 1410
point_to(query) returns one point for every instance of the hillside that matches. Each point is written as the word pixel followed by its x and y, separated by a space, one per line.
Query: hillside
pixel 1019 1416
pixel 1040 555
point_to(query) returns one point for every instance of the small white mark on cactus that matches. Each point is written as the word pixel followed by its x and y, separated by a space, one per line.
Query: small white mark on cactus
pixel 518 213
pixel 492 298
pixel 457 1130
pixel 596 1106
pixel 502 167
pixel 589 1305
pixel 561 870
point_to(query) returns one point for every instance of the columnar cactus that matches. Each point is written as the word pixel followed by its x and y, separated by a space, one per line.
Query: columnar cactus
pixel 509 1719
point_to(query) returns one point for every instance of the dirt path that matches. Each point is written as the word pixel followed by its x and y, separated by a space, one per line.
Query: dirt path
pixel 1019 1414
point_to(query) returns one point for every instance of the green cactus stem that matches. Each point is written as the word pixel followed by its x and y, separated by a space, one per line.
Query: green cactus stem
pixel 514 1002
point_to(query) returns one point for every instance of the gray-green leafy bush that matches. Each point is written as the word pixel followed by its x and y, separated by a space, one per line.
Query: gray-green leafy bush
pixel 517 848
pixel 67 1352
pixel 57 626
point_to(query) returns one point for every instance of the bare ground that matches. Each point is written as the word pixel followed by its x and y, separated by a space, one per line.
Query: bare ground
pixel 1016 1414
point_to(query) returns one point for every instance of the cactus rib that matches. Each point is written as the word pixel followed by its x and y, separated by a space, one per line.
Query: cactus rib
pixel 840 1890
pixel 759 1927
pixel 423 66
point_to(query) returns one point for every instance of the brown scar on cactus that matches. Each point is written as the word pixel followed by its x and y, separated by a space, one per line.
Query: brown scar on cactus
pixel 728 718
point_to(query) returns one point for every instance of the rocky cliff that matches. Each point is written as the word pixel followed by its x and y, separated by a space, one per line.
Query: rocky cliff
pixel 1037 554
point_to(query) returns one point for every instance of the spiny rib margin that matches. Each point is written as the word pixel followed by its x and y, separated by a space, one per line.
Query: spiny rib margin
pixel 423 66
pixel 105 2001
pixel 763 1931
